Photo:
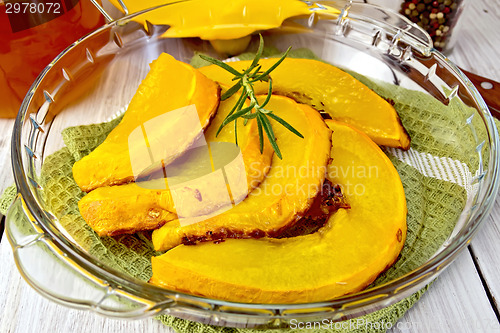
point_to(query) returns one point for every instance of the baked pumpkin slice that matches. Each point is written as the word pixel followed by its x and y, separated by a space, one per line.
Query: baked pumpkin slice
pixel 343 257
pixel 329 89
pixel 196 184
pixel 173 94
pixel 278 202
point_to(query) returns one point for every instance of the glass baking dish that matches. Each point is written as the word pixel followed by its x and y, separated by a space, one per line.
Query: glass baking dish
pixel 94 79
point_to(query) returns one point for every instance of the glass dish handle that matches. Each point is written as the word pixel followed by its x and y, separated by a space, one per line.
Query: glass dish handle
pixel 54 275
pixel 380 27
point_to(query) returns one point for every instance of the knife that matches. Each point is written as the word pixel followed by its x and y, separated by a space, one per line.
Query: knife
pixel 489 90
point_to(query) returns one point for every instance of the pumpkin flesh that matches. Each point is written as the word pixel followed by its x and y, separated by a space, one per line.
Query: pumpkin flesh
pixel 329 89
pixel 278 202
pixel 343 257
pixel 170 85
pixel 149 204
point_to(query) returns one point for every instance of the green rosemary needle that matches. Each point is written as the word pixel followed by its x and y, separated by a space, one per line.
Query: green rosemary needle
pixel 244 82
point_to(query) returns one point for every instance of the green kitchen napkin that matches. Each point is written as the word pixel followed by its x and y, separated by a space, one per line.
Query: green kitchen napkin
pixel 435 174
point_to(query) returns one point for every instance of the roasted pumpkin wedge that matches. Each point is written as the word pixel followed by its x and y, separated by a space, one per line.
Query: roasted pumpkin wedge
pixel 192 187
pixel 169 86
pixel 329 89
pixel 344 256
pixel 288 190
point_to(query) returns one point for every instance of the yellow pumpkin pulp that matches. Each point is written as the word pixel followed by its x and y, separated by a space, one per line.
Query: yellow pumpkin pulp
pixel 170 85
pixel 329 89
pixel 344 256
pixel 113 210
pixel 287 192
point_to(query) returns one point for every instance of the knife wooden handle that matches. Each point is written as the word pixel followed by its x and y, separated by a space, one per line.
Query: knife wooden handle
pixel 489 90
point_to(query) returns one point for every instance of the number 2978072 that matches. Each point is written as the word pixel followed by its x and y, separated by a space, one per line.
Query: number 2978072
pixel 33 8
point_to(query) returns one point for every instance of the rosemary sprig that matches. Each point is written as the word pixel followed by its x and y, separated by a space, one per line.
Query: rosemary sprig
pixel 244 82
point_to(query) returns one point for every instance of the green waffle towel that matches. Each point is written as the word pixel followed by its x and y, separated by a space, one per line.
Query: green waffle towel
pixel 436 174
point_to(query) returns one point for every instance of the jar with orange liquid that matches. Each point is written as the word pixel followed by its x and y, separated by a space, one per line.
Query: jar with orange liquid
pixel 32 33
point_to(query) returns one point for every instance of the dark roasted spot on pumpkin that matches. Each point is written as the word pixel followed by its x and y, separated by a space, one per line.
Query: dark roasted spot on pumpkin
pixel 197 195
pixel 327 202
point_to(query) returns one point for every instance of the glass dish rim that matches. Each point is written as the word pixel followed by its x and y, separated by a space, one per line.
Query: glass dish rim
pixel 141 289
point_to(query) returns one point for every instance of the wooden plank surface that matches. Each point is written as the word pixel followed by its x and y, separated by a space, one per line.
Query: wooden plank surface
pixel 456 302
pixel 23 310
pixel 478 51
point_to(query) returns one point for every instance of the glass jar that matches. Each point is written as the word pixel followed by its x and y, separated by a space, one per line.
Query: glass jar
pixel 438 17
pixel 32 33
